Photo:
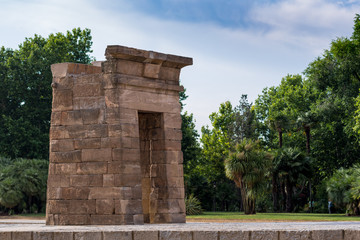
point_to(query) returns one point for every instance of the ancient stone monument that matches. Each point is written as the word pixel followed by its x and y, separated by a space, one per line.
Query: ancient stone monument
pixel 115 140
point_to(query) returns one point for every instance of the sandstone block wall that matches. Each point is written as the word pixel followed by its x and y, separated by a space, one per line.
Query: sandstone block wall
pixel 115 140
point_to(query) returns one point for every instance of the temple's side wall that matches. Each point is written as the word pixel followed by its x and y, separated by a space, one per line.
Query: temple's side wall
pixel 115 141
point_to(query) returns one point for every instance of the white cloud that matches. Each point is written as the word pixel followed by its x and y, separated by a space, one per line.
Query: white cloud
pixel 306 23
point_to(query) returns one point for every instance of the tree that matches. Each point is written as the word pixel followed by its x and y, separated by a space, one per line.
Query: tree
pixel 344 189
pixel 247 167
pixel 335 76
pixel 23 184
pixel 290 165
pixel 243 124
pixel 26 94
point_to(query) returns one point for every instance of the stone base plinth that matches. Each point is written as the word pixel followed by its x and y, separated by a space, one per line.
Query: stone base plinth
pixel 37 230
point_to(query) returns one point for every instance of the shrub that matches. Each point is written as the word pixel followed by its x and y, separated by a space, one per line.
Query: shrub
pixel 193 205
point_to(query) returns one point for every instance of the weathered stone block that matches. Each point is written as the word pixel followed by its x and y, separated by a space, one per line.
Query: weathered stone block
pixel 230 235
pixel 86 180
pixel 67 219
pixel 151 70
pixel 123 235
pixel 58 132
pixel 175 235
pixel 327 234
pixel 62 145
pixel 115 130
pixel 88 103
pixel 66 157
pixel 148 235
pixel 68 193
pixel 21 235
pixel 130 206
pixel 91 168
pixel 127 180
pixel 87 90
pixel 205 235
pixel 129 67
pixel 71 118
pixel 63 235
pixel 105 193
pixel 167 206
pixel 62 100
pixel 72 206
pixel 126 155
pixel 105 206
pixel 352 235
pixel 167 145
pixel 96 131
pixel 65 168
pixel 298 235
pixel 88 235
pixel 43 236
pixel 112 113
pixel 87 143
pixel 108 180
pixel 264 235
pixel 56 118
pixel 92 116
pixel 172 120
pixel 5 235
pixel 96 155
pixel 170 74
pixel 111 142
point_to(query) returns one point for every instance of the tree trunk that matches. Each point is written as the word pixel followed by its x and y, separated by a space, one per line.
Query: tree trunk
pixel 288 191
pixel 275 194
pixel 283 205
pixel 248 203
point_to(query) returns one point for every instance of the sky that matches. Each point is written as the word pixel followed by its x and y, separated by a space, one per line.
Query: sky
pixel 238 46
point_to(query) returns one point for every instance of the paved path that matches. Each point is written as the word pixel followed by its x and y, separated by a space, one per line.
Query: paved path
pixel 14 229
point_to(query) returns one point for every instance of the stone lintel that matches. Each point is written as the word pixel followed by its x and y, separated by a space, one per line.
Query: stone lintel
pixel 63 69
pixel 138 55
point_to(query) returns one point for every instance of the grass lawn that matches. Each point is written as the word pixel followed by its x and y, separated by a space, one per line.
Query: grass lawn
pixel 267 217
pixel 237 217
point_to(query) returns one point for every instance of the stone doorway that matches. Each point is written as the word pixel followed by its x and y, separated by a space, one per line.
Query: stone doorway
pixel 151 135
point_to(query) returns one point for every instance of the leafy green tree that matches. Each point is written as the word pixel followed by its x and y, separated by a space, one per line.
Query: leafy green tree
pixel 26 94
pixel 247 167
pixel 216 144
pixel 335 76
pixel 24 181
pixel 243 124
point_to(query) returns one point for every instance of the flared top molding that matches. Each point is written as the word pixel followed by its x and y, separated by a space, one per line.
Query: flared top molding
pixel 139 55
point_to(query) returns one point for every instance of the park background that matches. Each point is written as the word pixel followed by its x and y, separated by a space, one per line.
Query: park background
pixel 307 122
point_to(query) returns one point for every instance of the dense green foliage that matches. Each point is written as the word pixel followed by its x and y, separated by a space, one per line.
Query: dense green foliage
pixel 344 189
pixel 23 185
pixel 25 89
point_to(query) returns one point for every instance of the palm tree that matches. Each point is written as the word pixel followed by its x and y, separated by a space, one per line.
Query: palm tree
pixel 307 121
pixel 279 122
pixel 291 165
pixel 247 167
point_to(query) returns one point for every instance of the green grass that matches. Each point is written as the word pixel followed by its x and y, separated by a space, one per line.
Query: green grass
pixel 272 217
pixel 33 215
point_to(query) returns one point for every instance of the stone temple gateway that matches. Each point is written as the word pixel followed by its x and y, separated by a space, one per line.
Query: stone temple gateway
pixel 115 140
